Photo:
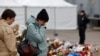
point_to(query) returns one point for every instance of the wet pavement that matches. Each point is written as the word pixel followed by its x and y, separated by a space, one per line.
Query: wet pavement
pixel 92 36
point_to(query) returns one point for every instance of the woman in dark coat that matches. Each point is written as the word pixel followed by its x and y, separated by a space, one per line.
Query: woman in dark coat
pixel 82 23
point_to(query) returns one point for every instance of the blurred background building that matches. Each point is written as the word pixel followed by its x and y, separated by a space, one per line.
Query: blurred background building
pixel 92 8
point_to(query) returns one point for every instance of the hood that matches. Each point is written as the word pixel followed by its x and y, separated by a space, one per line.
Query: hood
pixel 31 20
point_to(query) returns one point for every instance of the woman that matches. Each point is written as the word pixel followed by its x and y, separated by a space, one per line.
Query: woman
pixel 82 22
pixel 7 37
pixel 36 31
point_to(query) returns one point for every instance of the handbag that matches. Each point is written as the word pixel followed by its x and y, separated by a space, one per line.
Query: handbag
pixel 26 49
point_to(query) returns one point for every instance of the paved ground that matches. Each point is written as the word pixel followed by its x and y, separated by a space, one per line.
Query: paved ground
pixel 92 36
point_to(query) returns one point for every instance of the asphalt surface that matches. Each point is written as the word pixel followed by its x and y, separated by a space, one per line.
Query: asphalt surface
pixel 92 36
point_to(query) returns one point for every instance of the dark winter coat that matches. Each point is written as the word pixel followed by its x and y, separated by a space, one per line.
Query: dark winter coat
pixel 82 21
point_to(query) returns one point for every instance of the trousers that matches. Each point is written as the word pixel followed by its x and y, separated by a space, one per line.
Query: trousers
pixel 82 31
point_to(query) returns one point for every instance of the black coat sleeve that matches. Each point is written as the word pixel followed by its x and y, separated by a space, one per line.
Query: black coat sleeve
pixel 86 20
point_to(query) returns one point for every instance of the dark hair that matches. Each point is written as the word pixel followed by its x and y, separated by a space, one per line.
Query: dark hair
pixel 82 11
pixel 43 15
pixel 8 13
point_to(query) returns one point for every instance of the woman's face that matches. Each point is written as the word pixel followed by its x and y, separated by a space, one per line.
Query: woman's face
pixel 42 22
pixel 10 20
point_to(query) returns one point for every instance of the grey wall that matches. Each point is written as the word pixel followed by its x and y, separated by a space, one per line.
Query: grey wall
pixel 97 7
pixel 90 7
pixel 83 5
